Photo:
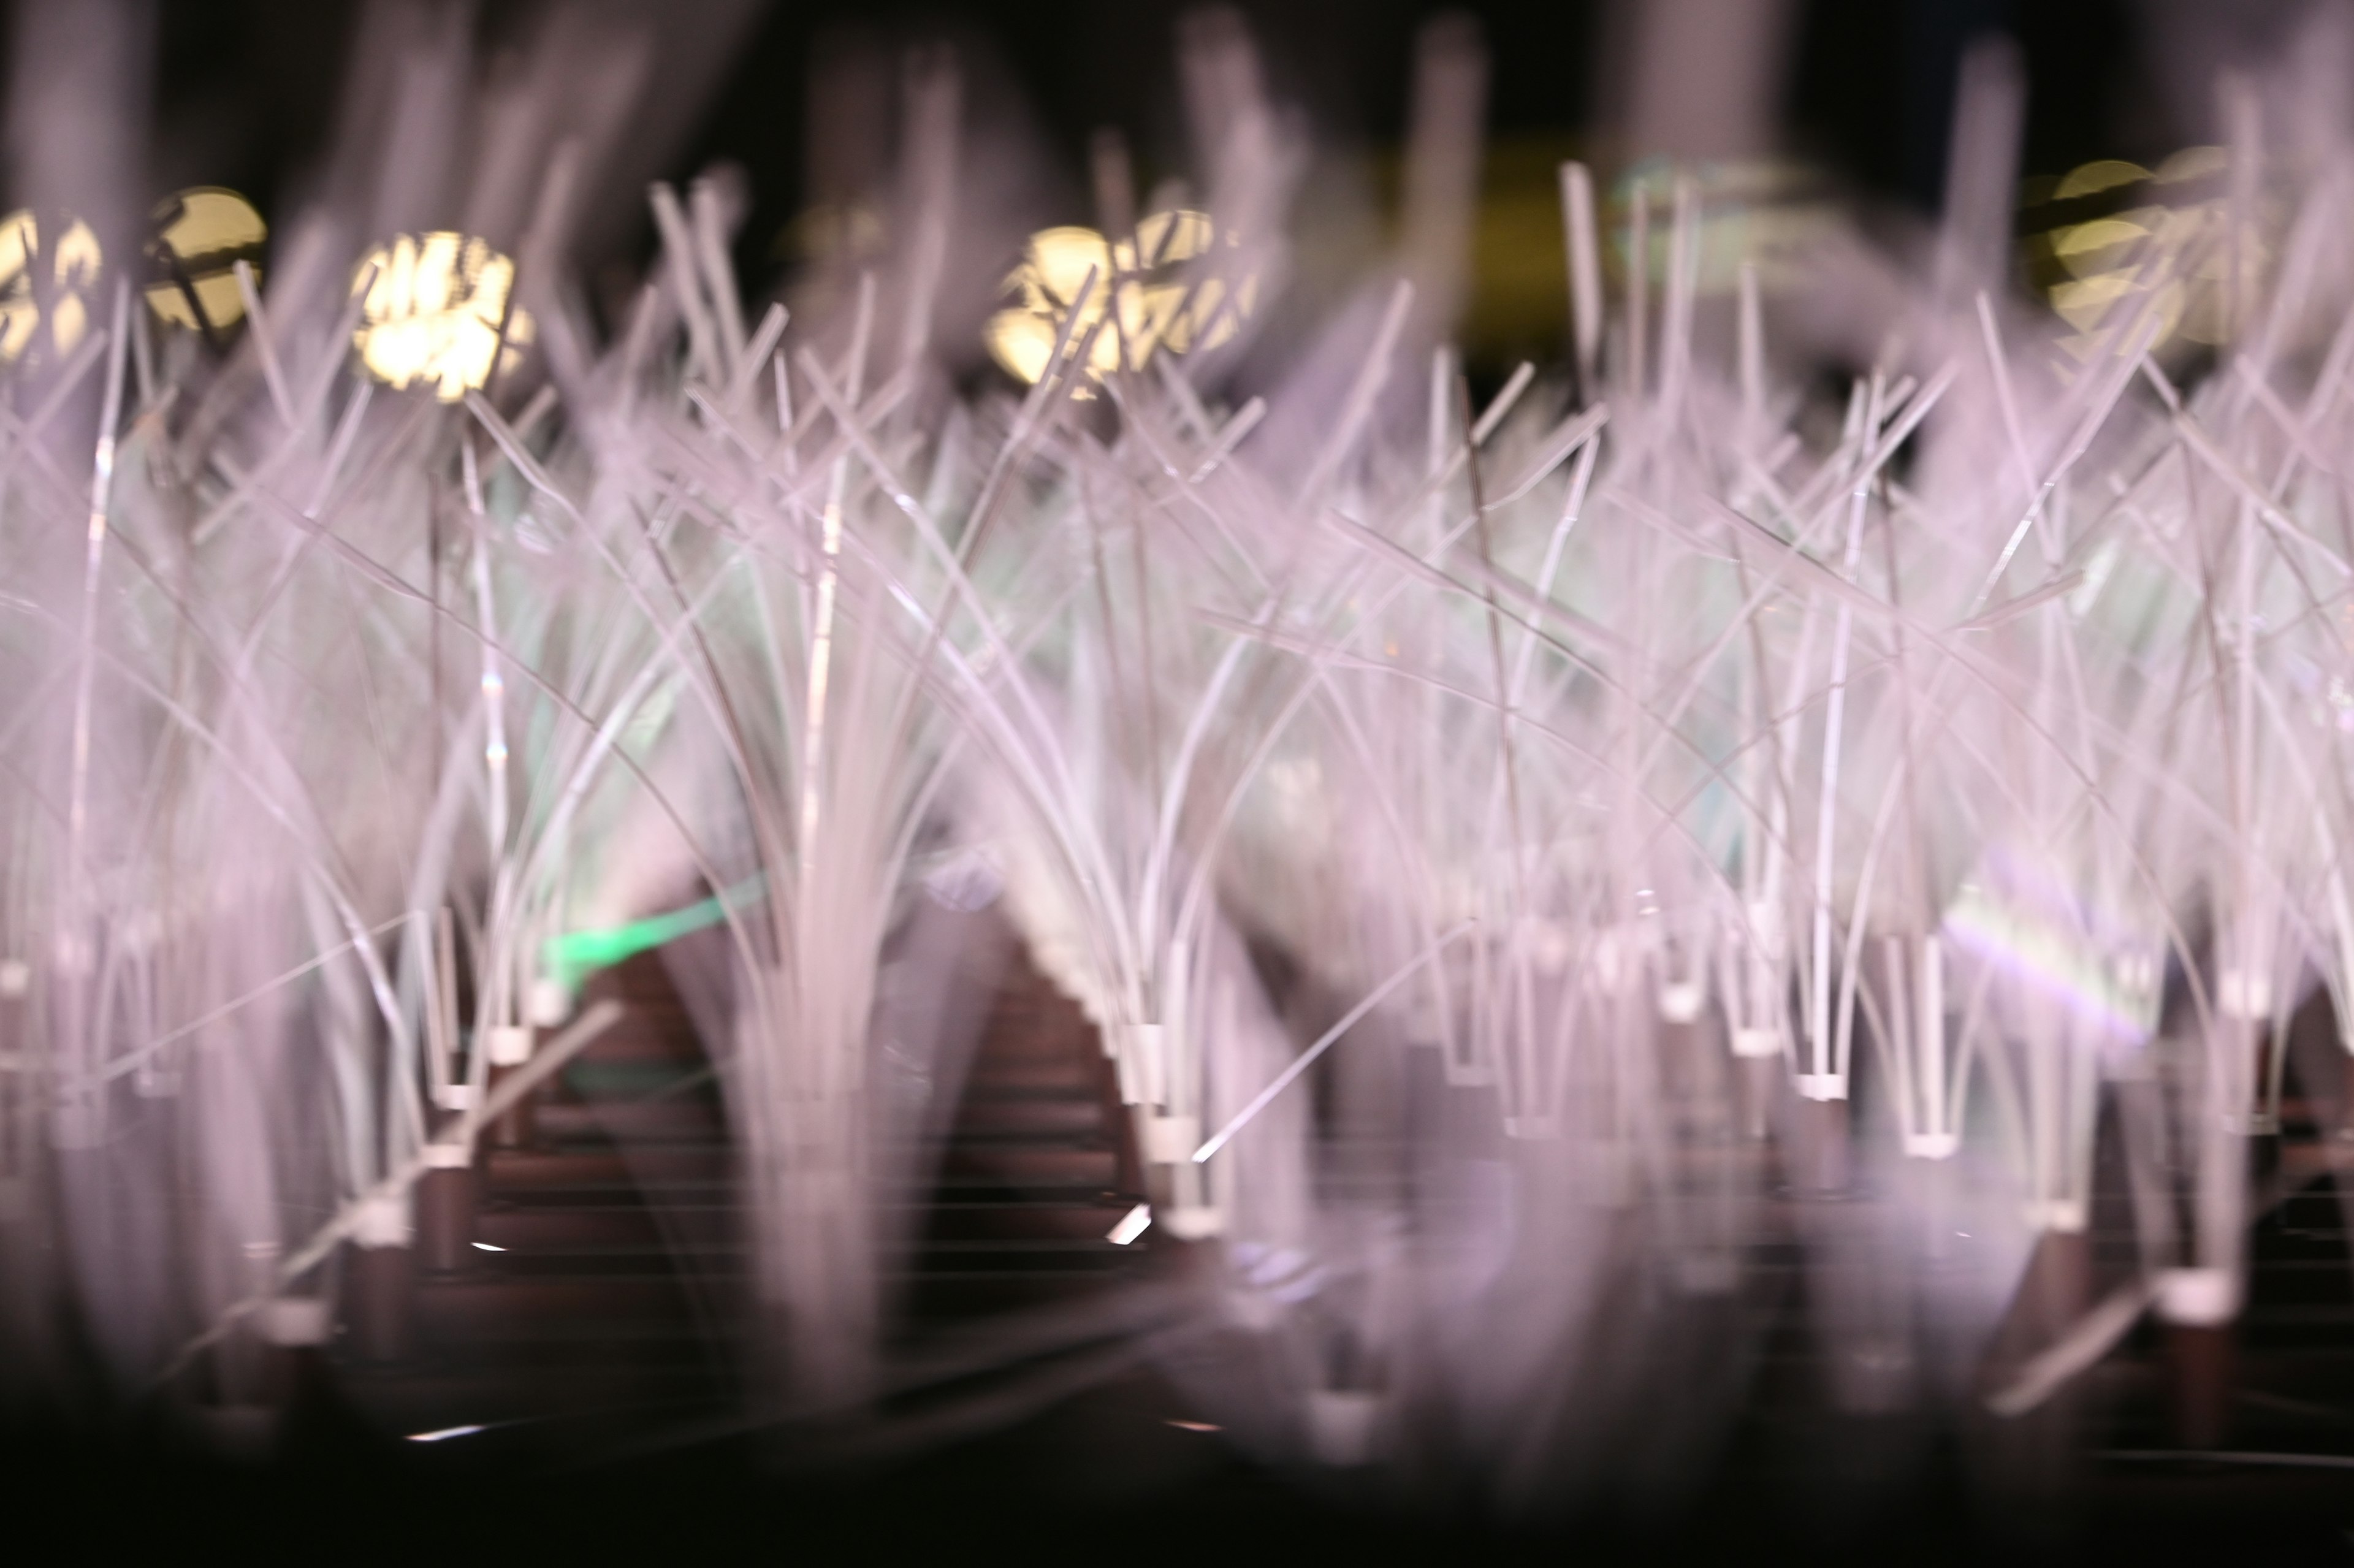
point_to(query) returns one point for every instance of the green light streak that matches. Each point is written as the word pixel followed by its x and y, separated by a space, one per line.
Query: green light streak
pixel 573 956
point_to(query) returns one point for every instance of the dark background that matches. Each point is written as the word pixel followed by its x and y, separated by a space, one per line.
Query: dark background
pixel 1869 89
pixel 254 93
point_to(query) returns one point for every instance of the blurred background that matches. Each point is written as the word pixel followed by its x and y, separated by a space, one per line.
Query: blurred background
pixel 1800 98
pixel 1798 115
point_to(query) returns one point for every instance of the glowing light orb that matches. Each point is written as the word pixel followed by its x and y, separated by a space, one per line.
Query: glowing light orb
pixel 199 237
pixel 2131 238
pixel 1159 308
pixel 438 312
pixel 33 284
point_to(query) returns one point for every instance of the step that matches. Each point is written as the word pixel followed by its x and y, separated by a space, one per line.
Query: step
pixel 644 1079
pixel 659 1256
pixel 1009 1255
pixel 951 1221
pixel 570 1348
pixel 1028 1116
pixel 643 1035
pixel 675 1119
pixel 545 1228
pixel 992 1077
pixel 426 1397
pixel 1008 1036
pixel 529 1170
pixel 934 1297
pixel 640 979
pixel 483 1307
pixel 982 1087
pixel 1030 1165
pixel 614 1197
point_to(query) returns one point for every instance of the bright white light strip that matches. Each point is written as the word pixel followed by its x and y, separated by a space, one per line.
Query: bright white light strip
pixel 1132 1225
pixel 446 1433
pixel 486 1246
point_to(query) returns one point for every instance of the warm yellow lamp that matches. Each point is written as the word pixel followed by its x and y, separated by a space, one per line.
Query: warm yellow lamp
pixel 1159 306
pixel 199 237
pixel 72 267
pixel 438 312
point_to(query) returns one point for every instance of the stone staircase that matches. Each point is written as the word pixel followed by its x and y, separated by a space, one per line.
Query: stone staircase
pixel 602 1270
pixel 1037 1168
pixel 602 1289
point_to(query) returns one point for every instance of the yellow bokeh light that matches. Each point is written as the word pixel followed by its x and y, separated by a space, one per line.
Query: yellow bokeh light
pixel 2104 174
pixel 71 272
pixel 2082 303
pixel 1158 307
pixel 2088 250
pixel 200 236
pixel 437 312
pixel 2180 256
